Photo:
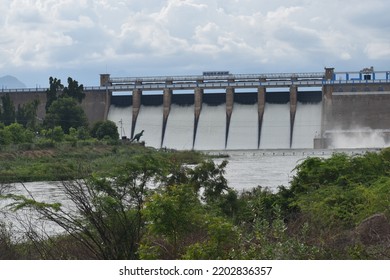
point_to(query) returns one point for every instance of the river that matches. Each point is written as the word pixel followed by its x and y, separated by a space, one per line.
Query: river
pixel 246 169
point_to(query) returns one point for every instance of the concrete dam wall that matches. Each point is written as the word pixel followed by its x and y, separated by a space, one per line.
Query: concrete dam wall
pixel 357 116
pixel 256 120
pixel 344 117
pixel 95 104
pixel 219 110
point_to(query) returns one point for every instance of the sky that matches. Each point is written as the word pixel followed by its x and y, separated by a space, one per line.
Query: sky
pixel 85 38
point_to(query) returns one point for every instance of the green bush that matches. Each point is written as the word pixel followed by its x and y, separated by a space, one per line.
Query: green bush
pixel 19 134
pixel 105 130
pixel 341 191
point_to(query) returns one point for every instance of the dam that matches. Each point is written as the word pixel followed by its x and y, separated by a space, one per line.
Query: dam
pixel 214 129
pixel 218 110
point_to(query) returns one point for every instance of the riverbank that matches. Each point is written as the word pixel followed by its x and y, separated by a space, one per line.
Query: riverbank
pixel 67 161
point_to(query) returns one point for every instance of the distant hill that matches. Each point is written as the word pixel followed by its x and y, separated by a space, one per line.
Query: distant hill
pixel 8 82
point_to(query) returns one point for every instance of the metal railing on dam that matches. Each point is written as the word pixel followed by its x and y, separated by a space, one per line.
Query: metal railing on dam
pixel 212 85
pixel 242 77
pixel 236 84
pixel 272 80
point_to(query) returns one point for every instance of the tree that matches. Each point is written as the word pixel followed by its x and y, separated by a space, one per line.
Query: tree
pixel 173 215
pixel 104 129
pixel 57 90
pixel 78 134
pixel 55 87
pixel 209 177
pixel 67 113
pixel 55 134
pixel 62 107
pixel 8 115
pixel 191 215
pixel 19 134
pixel 27 114
pixel 221 240
pixel 181 226
pixel 74 90
pixel 5 135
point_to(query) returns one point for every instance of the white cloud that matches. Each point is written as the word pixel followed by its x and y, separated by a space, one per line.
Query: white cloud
pixel 378 50
pixel 157 37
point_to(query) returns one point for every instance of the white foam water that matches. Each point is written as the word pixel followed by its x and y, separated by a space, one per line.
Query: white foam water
pixel 122 117
pixel 243 131
pixel 275 131
pixel 180 128
pixel 211 128
pixel 150 120
pixel 307 125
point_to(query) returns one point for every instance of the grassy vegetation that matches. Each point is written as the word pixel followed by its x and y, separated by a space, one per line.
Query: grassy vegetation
pixel 66 161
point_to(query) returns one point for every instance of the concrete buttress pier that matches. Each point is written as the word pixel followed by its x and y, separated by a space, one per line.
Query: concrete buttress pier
pixel 137 94
pixel 327 92
pixel 293 109
pixel 167 101
pixel 261 107
pixel 229 110
pixel 198 100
